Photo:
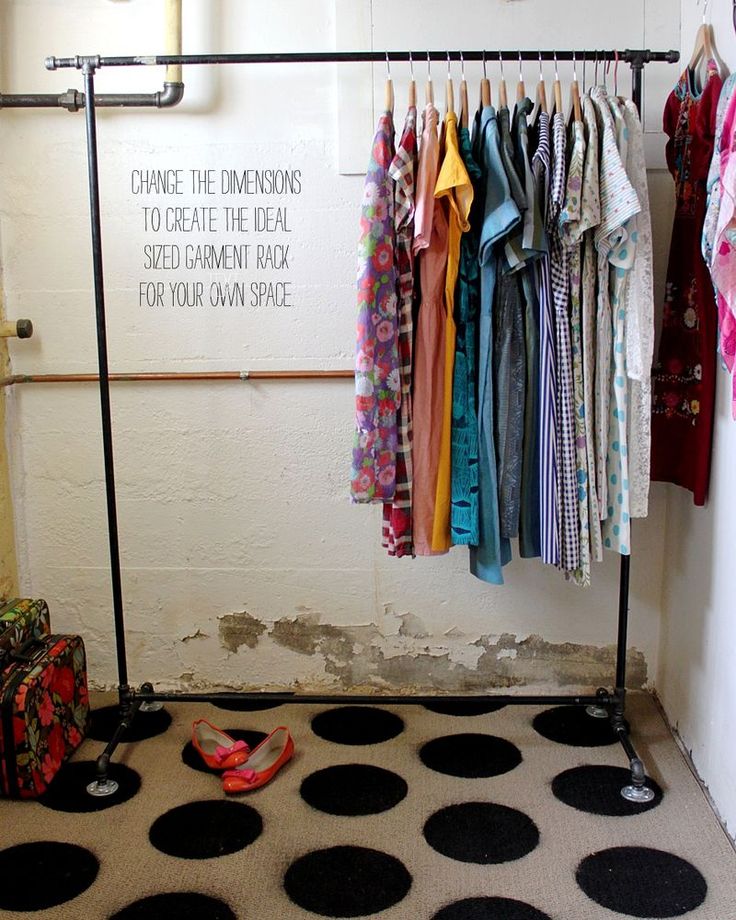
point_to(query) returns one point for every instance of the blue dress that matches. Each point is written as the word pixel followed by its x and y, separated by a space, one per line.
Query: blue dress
pixel 464 512
pixel 500 214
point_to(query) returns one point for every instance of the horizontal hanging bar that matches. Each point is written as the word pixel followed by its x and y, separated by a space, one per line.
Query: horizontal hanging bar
pixel 157 376
pixel 375 699
pixel 636 57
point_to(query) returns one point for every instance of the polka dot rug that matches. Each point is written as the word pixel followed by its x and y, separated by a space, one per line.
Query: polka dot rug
pixel 467 812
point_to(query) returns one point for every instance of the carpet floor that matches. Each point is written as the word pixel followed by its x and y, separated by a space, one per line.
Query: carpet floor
pixel 397 812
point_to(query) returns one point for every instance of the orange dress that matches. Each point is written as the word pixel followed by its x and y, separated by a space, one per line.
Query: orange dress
pixel 455 191
pixel 430 241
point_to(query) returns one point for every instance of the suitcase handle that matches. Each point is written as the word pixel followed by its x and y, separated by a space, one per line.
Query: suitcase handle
pixel 21 653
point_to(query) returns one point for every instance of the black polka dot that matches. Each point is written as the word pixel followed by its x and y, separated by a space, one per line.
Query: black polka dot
pixel 465 708
pixel 347 881
pixel 597 790
pixel 36 876
pixel 246 705
pixel 490 909
pixel 105 721
pixel 640 882
pixel 481 832
pixel 68 790
pixel 470 755
pixel 179 905
pixel 572 725
pixel 192 759
pixel 353 789
pixel 201 830
pixel 357 725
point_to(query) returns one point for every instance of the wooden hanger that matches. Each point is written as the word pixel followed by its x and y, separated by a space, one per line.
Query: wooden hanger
pixel 703 45
pixel 575 101
pixel 429 88
pixel 520 87
pixel 412 84
pixel 449 90
pixel 557 89
pixel 485 86
pixel 388 97
pixel 575 107
pixel 503 99
pixel 463 95
pixel 541 89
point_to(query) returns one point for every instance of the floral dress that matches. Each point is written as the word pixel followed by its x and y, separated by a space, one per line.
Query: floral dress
pixel 684 377
pixel 616 527
pixel 377 383
pixel 723 260
pixel 591 211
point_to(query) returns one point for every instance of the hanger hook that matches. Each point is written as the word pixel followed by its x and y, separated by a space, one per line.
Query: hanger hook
pixel 574 68
pixel 541 73
pixel 411 66
pixel 500 61
pixel 557 76
pixel 485 73
pixel 449 73
pixel 462 67
pixel 388 67
pixel 583 73
pixel 429 68
pixel 615 75
pixel 521 67
pixel 706 4
pixel 596 69
pixel 606 69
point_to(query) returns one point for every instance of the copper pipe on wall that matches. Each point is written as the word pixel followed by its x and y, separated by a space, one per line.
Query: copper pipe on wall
pixel 176 376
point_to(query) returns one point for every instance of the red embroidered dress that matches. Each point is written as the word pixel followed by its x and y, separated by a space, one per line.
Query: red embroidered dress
pixel 684 378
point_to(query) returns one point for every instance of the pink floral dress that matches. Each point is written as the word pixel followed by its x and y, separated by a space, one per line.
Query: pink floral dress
pixel 723 265
pixel 377 381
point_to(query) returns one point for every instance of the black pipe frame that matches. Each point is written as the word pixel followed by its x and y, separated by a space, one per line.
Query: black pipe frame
pixel 132 699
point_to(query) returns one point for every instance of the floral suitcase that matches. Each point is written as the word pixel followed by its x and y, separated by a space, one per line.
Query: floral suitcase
pixel 19 621
pixel 44 712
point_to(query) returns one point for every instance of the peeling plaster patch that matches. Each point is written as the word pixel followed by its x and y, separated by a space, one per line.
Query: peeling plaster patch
pixel 412 626
pixel 402 662
pixel 197 635
pixel 466 655
pixel 238 629
pixel 305 635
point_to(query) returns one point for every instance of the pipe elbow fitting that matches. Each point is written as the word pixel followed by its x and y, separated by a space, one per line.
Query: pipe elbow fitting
pixel 171 95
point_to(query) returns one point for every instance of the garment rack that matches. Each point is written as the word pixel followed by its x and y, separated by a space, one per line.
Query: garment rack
pixel 605 703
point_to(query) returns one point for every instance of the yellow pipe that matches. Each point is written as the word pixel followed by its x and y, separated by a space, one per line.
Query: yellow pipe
pixel 173 38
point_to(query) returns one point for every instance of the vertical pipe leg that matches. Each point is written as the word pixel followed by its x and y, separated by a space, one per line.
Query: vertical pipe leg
pixel 112 516
pixel 102 785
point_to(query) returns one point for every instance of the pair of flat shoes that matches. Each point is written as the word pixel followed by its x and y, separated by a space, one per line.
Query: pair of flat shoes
pixel 243 769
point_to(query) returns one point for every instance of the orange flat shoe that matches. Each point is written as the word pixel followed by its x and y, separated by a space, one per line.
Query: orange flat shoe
pixel 216 748
pixel 264 763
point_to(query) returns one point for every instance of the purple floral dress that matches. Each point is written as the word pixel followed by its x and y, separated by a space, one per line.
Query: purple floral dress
pixel 377 379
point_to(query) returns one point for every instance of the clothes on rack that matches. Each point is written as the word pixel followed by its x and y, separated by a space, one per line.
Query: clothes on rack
pixel 532 335
pixel 397 531
pixel 684 378
pixel 719 228
pixel 377 387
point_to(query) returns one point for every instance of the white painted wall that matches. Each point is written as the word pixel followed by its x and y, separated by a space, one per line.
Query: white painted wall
pixel 234 496
pixel 696 679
